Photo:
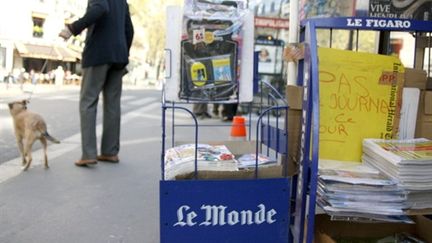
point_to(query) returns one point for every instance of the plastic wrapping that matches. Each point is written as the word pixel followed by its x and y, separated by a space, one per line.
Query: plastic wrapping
pixel 211 50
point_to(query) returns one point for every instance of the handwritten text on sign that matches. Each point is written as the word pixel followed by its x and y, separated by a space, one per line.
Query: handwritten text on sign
pixel 358 99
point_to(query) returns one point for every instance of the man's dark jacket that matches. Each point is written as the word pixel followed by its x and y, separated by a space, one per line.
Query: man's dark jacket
pixel 109 32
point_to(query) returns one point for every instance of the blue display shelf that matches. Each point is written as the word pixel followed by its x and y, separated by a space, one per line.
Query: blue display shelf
pixel 304 212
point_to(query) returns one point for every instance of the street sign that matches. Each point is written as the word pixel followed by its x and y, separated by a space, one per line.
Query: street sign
pixel 274 23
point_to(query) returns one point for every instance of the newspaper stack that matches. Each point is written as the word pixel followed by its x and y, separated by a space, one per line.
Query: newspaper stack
pixel 356 192
pixel 407 161
pixel 181 159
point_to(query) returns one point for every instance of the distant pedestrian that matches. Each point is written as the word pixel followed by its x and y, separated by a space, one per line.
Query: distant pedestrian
pixel 59 75
pixel 34 77
pixel 104 59
pixel 229 111
pixel 215 109
pixel 200 110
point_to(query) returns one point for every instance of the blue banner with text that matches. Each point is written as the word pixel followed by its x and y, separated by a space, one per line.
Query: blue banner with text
pixel 225 211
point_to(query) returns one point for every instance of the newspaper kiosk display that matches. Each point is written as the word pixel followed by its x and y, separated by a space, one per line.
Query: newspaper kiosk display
pixel 304 222
pixel 240 206
pixel 210 51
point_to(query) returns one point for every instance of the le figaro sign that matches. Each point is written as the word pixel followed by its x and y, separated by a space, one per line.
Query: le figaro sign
pixel 379 23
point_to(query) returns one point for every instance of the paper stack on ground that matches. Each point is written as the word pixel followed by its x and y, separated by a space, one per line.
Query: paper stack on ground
pixel 356 192
pixel 407 161
pixel 181 159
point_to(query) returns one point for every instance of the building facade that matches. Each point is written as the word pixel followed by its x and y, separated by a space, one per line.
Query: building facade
pixel 29 36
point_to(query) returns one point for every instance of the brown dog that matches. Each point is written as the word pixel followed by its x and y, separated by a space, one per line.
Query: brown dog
pixel 29 127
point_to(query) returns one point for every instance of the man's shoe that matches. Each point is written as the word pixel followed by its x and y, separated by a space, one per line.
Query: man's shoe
pixel 107 158
pixel 206 115
pixel 227 118
pixel 85 162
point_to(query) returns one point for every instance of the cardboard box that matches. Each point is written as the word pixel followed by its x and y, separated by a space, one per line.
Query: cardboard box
pixel 424 116
pixel 415 78
pixel 294 95
pixel 238 148
pixel 429 83
pixel 327 231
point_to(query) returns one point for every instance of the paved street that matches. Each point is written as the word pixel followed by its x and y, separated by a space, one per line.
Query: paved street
pixel 104 203
pixel 60 111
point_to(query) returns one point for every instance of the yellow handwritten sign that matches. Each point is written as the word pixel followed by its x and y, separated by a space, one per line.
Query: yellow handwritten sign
pixel 360 97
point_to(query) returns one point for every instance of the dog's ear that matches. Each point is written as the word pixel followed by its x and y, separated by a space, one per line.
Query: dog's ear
pixel 24 103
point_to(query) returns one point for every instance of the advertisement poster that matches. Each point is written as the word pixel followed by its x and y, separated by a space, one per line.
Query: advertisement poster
pixel 360 97
pixel 269 59
pixel 404 9
pixel 326 8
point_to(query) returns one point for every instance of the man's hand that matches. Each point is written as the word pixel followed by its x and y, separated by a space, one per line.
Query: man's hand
pixel 65 33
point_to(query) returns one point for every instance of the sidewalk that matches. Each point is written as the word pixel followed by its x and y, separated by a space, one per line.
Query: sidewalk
pixel 16 90
pixel 103 203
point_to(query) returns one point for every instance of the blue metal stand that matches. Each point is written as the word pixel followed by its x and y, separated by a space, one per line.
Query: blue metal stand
pixel 249 210
pixel 304 212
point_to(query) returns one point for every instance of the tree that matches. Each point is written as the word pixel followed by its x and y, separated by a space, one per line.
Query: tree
pixel 149 23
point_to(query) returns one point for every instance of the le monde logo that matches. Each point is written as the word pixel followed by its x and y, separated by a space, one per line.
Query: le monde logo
pixel 220 216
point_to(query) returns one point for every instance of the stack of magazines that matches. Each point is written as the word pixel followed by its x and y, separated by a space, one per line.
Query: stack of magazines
pixel 356 192
pixel 181 159
pixel 407 161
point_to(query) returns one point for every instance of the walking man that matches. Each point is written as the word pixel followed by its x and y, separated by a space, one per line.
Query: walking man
pixel 104 59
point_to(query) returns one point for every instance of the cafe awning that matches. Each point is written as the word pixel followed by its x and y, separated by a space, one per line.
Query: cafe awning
pixel 50 52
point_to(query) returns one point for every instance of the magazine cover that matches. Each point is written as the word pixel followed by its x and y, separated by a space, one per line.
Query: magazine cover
pixel 222 69
pixel 415 149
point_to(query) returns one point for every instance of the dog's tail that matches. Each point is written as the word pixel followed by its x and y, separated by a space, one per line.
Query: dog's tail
pixel 50 138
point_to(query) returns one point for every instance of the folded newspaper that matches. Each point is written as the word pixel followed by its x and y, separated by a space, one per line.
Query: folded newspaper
pixel 250 161
pixel 181 159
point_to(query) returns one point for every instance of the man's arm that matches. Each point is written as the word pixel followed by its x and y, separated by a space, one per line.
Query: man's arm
pixel 95 10
pixel 129 28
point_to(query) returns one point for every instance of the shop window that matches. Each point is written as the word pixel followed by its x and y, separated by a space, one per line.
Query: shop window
pixel 272 7
pixel 38 27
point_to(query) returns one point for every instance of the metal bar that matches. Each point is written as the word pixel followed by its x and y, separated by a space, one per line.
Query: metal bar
pixel 384 43
pixel 196 136
pixel 172 126
pixel 259 121
pixel 277 136
pixel 273 89
pixel 163 143
pixel 416 45
pixel 357 38
pixel 268 122
pixel 429 53
pixel 250 120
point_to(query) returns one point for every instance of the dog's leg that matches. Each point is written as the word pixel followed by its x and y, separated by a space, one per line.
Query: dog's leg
pixel 44 143
pixel 21 149
pixel 27 151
